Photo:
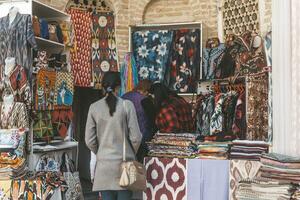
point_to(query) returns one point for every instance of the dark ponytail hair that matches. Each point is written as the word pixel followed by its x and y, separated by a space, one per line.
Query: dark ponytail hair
pixel 110 81
pixel 161 93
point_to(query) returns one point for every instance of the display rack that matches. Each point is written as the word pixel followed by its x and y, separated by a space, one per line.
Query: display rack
pixel 41 10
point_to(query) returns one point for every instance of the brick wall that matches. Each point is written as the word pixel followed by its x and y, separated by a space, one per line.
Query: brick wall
pixel 132 12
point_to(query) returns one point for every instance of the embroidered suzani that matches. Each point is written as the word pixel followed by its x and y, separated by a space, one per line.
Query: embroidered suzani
pixel 104 52
pixel 185 60
pixel 151 52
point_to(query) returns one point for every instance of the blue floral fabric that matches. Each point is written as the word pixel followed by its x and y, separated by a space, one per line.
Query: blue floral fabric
pixel 151 51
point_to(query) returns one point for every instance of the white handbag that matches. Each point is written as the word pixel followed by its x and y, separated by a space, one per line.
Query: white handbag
pixel 133 173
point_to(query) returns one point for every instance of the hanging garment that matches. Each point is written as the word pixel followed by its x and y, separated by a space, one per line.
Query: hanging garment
pixel 217 119
pixel 61 120
pixel 17 116
pixel 212 58
pixel 18 83
pixel 151 51
pixel 64 89
pixel 129 74
pixel 268 50
pixel 185 60
pixel 257 108
pixel 15 40
pixel 104 51
pixel 229 111
pixel 45 89
pixel 81 55
pixel 239 126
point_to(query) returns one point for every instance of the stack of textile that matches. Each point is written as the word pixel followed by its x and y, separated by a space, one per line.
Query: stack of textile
pixel 179 145
pixel 12 153
pixel 280 167
pixel 13 170
pixel 248 150
pixel 213 150
pixel 264 189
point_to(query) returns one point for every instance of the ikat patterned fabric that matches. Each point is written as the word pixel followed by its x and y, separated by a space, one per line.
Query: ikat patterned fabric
pixel 16 40
pixel 64 89
pixel 165 179
pixel 104 52
pixel 240 16
pixel 81 56
pixel 151 51
pixel 241 169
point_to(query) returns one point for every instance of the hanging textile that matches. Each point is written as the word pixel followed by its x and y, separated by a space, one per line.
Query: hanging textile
pixel 64 89
pixel 185 60
pixel 151 50
pixel 104 52
pixel 61 120
pixel 15 40
pixel 45 89
pixel 81 54
pixel 17 116
pixel 42 126
pixel 212 58
pixel 268 50
pixel 257 108
pixel 129 74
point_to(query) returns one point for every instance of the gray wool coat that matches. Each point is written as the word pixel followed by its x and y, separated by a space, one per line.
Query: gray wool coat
pixel 104 136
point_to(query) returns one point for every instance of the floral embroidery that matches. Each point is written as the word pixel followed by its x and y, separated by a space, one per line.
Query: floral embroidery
pixel 185 60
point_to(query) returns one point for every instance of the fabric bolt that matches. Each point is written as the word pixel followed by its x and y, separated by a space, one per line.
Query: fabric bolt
pixel 109 147
pixel 212 58
pixel 151 51
pixel 257 108
pixel 129 74
pixel 16 39
pixel 18 83
pixel 104 52
pixel 239 170
pixel 166 178
pixel 61 120
pixel 185 60
pixel 175 116
pixel 17 118
pixel 81 55
pixel 64 89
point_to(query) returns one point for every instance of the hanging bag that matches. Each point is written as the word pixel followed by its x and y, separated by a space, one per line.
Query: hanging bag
pixel 133 173
pixel 74 191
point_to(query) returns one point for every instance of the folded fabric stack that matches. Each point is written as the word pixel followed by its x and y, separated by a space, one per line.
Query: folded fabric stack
pixel 264 189
pixel 179 145
pixel 248 150
pixel 213 150
pixel 12 157
pixel 280 167
pixel 16 169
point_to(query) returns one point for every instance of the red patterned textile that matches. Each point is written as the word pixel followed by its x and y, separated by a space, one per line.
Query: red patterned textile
pixel 81 55
pixel 166 179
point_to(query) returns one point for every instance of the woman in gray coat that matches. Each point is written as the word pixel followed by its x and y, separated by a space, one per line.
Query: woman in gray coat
pixel 109 120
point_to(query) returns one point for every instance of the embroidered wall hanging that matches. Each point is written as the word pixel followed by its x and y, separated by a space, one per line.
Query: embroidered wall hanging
pixel 45 90
pixel 64 89
pixel 104 52
pixel 240 16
